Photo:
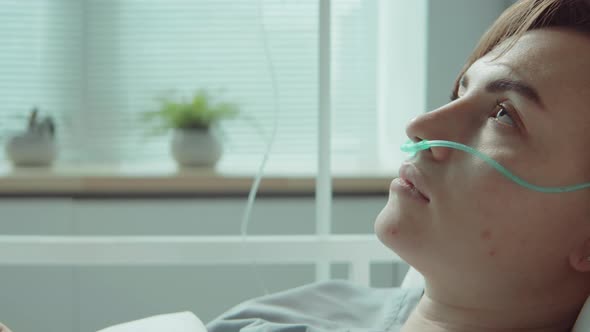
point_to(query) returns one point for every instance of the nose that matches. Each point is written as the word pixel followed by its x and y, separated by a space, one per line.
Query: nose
pixel 445 123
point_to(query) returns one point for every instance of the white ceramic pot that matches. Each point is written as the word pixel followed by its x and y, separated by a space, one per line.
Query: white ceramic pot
pixel 196 147
pixel 31 150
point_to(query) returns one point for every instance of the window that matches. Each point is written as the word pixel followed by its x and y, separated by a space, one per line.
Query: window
pixel 96 65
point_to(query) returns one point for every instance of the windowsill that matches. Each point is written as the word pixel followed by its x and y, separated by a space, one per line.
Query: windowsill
pixel 166 180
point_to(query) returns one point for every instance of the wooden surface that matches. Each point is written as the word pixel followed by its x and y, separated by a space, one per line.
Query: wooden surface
pixel 113 180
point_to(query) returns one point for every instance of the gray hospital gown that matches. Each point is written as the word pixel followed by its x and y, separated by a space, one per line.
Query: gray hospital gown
pixel 321 307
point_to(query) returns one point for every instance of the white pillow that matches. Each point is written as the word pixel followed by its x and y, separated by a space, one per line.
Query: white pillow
pixel 583 322
pixel 176 322
pixel 414 279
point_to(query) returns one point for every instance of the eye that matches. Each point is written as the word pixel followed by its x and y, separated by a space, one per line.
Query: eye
pixel 503 114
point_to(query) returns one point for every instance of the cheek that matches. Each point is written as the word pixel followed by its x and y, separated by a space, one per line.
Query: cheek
pixel 484 211
pixel 526 226
pixel 475 195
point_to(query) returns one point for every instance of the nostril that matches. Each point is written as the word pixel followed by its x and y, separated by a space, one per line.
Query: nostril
pixel 417 139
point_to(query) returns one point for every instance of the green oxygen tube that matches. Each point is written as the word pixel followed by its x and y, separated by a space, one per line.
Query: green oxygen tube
pixel 412 147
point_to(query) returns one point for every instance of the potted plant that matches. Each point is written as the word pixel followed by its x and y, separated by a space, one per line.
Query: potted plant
pixel 36 146
pixel 194 142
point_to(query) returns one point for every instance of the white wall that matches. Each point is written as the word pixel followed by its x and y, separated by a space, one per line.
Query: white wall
pixel 454 27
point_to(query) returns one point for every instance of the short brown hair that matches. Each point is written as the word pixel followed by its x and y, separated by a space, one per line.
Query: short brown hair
pixel 526 15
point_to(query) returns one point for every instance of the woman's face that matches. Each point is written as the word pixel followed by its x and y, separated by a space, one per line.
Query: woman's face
pixel 528 109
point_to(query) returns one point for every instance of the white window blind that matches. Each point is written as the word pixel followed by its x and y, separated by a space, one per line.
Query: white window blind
pixel 41 64
pixel 96 65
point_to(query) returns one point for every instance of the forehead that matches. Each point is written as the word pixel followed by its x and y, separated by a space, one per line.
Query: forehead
pixel 555 61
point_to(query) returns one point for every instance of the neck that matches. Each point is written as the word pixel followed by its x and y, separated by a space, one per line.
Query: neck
pixel 434 314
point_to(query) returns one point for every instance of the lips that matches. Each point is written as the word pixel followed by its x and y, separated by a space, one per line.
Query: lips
pixel 410 173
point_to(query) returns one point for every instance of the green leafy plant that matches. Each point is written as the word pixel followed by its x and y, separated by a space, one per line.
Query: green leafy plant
pixel 199 113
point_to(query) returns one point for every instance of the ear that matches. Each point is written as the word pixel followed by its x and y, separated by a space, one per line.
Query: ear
pixel 580 257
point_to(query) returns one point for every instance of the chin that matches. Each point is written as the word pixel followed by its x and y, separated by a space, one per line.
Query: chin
pixel 400 233
pixel 387 227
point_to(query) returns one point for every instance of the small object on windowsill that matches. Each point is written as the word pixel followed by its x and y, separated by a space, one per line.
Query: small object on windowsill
pixel 196 140
pixel 196 147
pixel 35 147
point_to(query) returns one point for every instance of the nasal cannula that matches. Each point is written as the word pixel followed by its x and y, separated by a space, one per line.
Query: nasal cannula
pixel 426 144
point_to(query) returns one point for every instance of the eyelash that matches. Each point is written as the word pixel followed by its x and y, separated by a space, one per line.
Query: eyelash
pixel 501 106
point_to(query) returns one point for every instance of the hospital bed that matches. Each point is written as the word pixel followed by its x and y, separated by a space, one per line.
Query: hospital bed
pixel 359 251
pixel 188 322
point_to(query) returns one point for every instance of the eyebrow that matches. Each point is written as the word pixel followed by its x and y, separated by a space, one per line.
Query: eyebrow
pixel 505 84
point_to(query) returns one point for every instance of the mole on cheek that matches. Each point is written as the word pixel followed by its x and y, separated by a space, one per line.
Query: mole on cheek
pixel 394 231
pixel 486 235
